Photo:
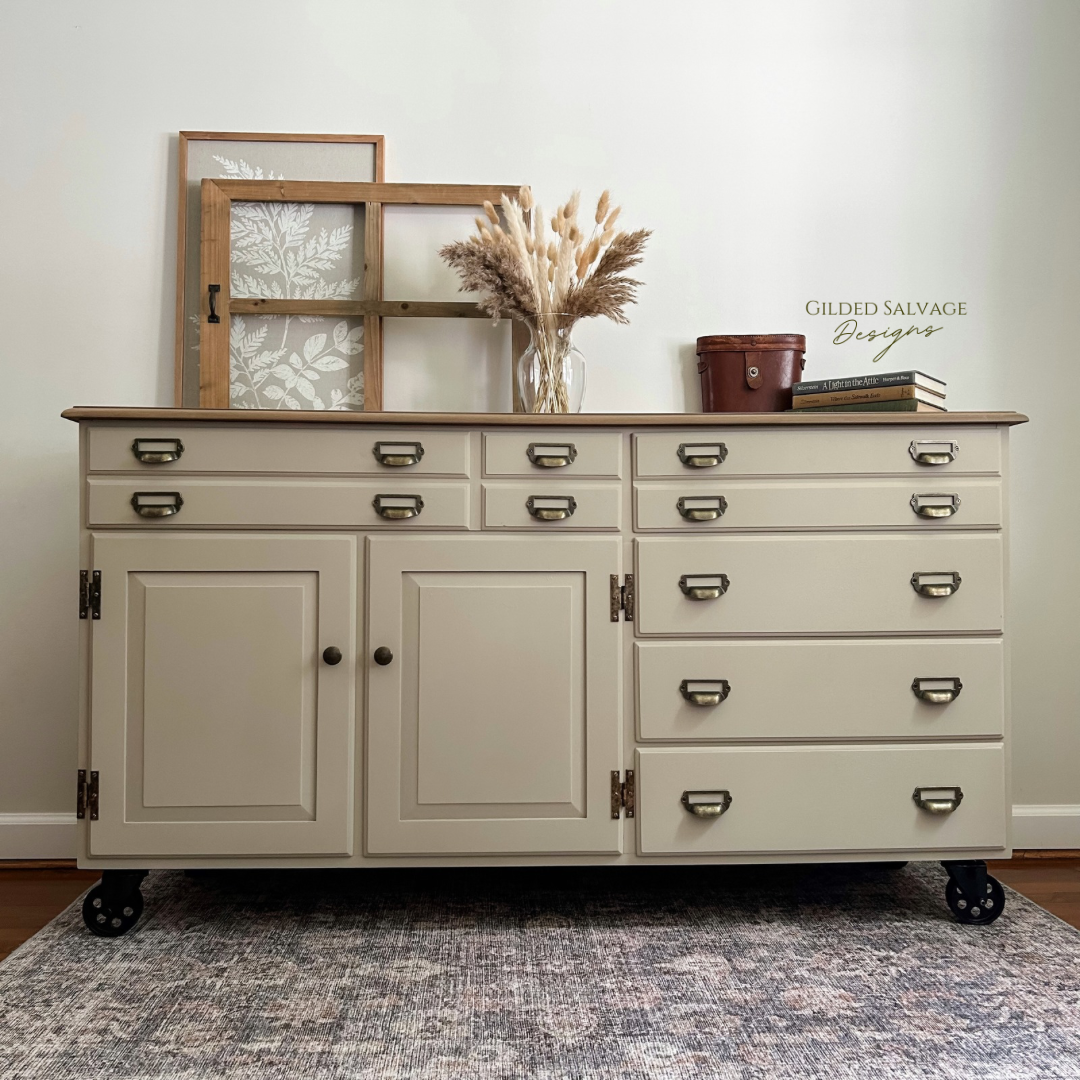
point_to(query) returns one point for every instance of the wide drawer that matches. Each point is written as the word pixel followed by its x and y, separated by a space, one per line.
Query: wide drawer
pixel 821 799
pixel 277 448
pixel 818 451
pixel 835 584
pixel 884 689
pixel 267 503
pixel 567 453
pixel 552 506
pixel 727 505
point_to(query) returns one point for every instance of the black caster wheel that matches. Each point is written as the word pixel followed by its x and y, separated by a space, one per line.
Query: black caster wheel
pixel 112 907
pixel 982 913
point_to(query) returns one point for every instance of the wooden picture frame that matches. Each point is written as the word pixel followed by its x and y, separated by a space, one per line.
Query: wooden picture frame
pixel 320 150
pixel 216 304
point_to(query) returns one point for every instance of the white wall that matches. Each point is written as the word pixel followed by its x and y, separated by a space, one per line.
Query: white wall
pixel 781 151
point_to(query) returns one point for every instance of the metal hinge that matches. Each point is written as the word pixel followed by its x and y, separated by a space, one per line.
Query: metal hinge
pixel 86 799
pixel 622 598
pixel 89 594
pixel 622 794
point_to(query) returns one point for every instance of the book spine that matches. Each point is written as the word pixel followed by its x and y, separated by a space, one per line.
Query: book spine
pixel 857 382
pixel 898 405
pixel 853 397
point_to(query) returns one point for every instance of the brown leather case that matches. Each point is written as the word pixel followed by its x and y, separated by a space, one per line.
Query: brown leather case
pixel 749 372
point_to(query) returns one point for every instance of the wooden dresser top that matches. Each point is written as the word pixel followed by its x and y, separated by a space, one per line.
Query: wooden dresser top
pixel 636 420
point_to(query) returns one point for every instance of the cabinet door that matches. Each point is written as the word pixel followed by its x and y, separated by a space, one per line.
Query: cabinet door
pixel 216 727
pixel 496 726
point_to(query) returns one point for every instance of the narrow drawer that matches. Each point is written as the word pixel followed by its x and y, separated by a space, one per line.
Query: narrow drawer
pixel 727 505
pixel 715 691
pixel 567 453
pixel 552 506
pixel 820 799
pixel 818 451
pixel 266 503
pixel 277 448
pixel 839 584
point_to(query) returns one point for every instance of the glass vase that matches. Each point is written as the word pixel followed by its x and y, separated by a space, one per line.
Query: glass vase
pixel 551 371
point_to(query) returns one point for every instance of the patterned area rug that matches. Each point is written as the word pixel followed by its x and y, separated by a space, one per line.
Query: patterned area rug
pixel 725 974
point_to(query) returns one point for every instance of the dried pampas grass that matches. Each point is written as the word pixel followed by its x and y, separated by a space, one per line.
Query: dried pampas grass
pixel 520 273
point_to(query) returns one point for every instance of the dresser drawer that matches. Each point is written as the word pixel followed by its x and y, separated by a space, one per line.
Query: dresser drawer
pixel 820 799
pixel 566 453
pixel 884 689
pixel 818 451
pixel 266 503
pixel 552 506
pixel 726 505
pixel 277 448
pixel 838 584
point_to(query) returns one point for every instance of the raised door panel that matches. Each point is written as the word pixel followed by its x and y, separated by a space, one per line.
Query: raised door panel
pixel 216 728
pixel 496 725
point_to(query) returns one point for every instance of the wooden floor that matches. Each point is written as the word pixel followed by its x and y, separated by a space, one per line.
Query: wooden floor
pixel 33 893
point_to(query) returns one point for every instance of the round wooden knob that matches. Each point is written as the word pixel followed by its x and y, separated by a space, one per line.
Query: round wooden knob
pixel 332 655
pixel 383 655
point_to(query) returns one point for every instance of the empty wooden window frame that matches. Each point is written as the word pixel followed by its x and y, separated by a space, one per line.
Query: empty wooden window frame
pixel 275 153
pixel 217 199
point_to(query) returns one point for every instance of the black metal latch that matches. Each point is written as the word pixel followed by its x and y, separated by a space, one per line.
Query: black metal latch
pixel 89 594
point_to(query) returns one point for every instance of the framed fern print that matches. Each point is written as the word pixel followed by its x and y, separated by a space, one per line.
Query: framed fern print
pixel 261 259
pixel 303 251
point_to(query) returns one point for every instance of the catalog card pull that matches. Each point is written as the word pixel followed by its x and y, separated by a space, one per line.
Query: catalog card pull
pixel 397 507
pixel 935 583
pixel 705 691
pixel 702 455
pixel 926 452
pixel 704 586
pixel 551 455
pixel 939 505
pixel 398 455
pixel 706 804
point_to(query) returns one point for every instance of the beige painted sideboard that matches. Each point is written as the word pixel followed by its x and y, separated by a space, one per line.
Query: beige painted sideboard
pixel 342 639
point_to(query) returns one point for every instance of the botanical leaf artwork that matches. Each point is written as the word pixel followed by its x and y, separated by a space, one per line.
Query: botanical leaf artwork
pixel 290 251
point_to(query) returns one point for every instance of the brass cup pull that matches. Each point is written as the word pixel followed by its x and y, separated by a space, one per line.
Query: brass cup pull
pixel 934 801
pixel 382 656
pixel 935 506
pixel 157 504
pixel 702 455
pixel 157 451
pixel 397 507
pixel 551 455
pixel 551 507
pixel 935 583
pixel 704 586
pixel 331 655
pixel 398 454
pixel 933 451
pixel 705 691
pixel 937 691
pixel 701 507
pixel 706 804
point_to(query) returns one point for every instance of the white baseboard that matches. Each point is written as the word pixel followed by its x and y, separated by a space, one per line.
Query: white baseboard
pixel 37 836
pixel 52 836
pixel 1046 825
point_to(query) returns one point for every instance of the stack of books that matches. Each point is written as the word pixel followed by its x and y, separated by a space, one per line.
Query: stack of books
pixel 896 391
